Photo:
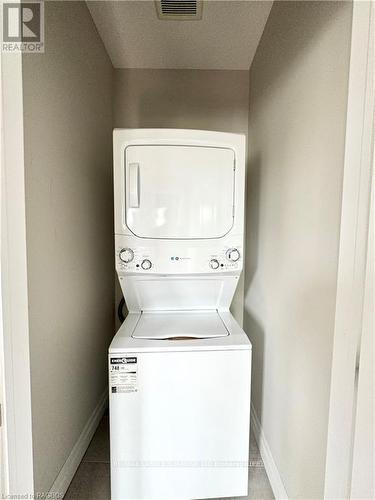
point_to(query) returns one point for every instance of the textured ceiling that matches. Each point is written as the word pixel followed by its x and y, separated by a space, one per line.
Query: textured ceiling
pixel 225 38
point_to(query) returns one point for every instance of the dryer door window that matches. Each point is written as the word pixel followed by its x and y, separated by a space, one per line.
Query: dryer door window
pixel 179 192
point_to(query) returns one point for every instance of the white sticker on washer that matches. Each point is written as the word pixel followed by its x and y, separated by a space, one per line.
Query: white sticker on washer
pixel 123 374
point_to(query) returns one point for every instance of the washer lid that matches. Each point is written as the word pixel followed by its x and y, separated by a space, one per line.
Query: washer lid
pixel 173 325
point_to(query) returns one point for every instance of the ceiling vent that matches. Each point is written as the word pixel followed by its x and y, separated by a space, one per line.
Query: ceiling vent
pixel 182 10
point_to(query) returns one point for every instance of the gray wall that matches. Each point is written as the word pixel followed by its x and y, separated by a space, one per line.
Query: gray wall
pixel 198 99
pixel 298 96
pixel 68 157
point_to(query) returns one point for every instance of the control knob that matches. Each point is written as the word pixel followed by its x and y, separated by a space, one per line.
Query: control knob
pixel 126 255
pixel 233 254
pixel 214 264
pixel 146 264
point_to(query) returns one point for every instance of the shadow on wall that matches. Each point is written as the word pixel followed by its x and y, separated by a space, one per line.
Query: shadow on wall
pixel 253 327
pixel 198 99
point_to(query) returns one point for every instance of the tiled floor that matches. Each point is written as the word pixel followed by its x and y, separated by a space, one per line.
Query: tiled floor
pixel 92 478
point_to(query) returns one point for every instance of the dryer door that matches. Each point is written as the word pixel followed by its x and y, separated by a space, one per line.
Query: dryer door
pixel 179 192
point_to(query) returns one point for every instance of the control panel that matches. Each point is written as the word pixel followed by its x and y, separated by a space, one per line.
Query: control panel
pixel 174 258
pixel 225 260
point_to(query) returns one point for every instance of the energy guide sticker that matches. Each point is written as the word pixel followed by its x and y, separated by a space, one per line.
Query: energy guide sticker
pixel 123 374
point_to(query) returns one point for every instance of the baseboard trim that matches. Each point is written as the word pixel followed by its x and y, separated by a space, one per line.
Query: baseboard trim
pixel 70 467
pixel 269 463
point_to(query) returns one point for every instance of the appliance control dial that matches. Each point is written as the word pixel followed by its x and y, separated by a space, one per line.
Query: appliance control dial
pixel 126 255
pixel 146 264
pixel 233 254
pixel 214 264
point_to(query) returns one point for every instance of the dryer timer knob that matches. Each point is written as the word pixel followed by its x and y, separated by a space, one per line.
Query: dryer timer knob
pixel 126 255
pixel 233 254
pixel 214 264
pixel 146 264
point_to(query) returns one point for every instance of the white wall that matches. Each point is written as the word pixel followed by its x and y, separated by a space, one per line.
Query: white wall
pixel 68 157
pixel 198 99
pixel 298 95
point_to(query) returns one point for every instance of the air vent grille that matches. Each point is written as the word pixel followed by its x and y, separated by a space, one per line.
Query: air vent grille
pixel 179 9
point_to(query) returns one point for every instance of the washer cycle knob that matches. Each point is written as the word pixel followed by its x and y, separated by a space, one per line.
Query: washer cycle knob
pixel 126 255
pixel 146 264
pixel 233 254
pixel 214 264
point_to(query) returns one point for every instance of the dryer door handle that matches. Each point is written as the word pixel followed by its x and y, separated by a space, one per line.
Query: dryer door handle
pixel 134 185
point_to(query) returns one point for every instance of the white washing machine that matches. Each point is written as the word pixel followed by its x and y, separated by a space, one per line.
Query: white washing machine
pixel 180 365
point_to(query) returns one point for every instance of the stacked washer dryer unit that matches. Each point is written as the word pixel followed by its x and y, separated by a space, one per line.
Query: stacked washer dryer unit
pixel 179 366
